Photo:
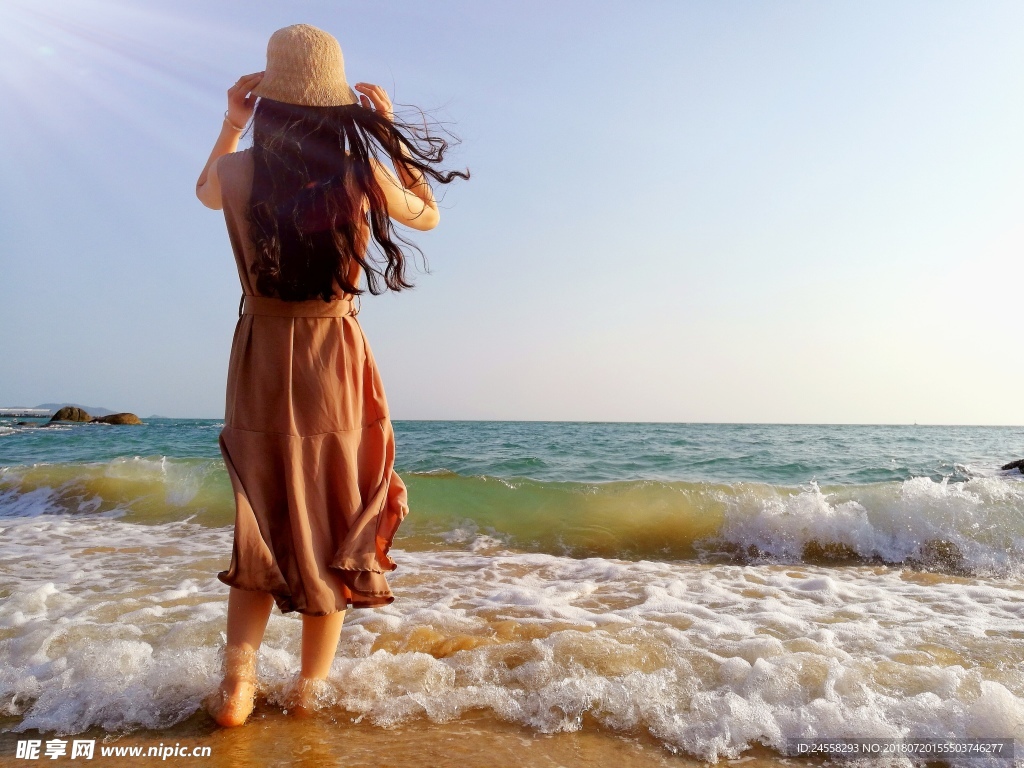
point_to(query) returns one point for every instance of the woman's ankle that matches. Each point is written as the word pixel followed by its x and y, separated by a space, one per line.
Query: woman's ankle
pixel 239 664
pixel 309 694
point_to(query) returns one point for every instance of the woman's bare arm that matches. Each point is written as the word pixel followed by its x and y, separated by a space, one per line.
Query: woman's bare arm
pixel 208 186
pixel 409 196
pixel 240 106
pixel 404 205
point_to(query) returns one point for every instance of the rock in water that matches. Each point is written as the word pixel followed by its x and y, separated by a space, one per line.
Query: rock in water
pixel 118 418
pixel 1018 464
pixel 70 413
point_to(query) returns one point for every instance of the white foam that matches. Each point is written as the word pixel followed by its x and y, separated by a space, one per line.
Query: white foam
pixel 468 534
pixel 117 625
pixel 17 504
pixel 982 517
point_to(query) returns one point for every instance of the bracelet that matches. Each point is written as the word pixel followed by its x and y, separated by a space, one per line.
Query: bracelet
pixel 240 130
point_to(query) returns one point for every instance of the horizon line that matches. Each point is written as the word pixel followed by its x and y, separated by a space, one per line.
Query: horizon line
pixel 695 423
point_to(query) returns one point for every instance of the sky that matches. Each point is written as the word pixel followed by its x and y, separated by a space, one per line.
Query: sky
pixel 793 212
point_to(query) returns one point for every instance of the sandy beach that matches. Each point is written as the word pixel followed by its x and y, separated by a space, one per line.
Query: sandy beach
pixel 274 740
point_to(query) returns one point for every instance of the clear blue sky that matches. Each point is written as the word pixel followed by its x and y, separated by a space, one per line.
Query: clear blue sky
pixel 679 211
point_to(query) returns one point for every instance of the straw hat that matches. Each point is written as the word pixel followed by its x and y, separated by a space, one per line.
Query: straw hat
pixel 305 66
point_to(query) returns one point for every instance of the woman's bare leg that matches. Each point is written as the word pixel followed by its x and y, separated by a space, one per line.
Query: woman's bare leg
pixel 320 635
pixel 248 613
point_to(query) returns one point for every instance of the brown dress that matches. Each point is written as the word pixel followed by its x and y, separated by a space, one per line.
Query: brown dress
pixel 307 441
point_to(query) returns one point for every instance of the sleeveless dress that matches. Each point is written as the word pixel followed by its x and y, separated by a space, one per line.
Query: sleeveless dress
pixel 308 444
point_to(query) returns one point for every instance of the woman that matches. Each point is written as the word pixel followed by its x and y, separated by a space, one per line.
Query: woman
pixel 307 437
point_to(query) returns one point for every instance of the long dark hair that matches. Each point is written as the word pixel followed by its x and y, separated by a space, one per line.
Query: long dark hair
pixel 307 195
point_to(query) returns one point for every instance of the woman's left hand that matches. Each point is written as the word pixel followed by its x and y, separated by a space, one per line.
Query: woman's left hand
pixel 378 97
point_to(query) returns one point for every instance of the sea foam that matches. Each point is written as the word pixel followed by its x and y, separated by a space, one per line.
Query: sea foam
pixel 116 624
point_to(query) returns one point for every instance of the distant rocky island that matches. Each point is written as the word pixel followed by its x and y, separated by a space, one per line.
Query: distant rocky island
pixel 71 412
pixel 74 413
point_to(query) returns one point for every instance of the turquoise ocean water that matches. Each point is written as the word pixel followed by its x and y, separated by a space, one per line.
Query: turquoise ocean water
pixel 709 586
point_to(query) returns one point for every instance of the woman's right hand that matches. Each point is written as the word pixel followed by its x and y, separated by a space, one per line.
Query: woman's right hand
pixel 240 101
pixel 370 94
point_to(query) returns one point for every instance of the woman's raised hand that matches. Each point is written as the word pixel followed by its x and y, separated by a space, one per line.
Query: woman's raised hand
pixel 377 96
pixel 240 102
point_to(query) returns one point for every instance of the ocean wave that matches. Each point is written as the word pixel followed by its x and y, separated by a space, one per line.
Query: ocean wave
pixel 17 429
pixel 969 526
pixel 707 659
pixel 972 526
pixel 154 488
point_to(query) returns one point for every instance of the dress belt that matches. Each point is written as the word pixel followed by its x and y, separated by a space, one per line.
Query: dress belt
pixel 266 305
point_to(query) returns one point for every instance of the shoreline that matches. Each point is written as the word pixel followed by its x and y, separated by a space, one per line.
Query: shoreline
pixel 476 740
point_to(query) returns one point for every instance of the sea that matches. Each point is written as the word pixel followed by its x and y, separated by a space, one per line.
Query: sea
pixel 566 594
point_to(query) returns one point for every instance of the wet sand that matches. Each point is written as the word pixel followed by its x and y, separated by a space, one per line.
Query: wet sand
pixel 272 739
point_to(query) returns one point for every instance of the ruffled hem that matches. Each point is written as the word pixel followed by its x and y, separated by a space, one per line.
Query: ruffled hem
pixel 355 597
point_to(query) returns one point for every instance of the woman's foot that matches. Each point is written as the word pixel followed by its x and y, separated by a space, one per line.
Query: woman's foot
pixel 232 703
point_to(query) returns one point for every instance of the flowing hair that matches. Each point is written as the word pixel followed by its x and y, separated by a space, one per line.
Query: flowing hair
pixel 312 171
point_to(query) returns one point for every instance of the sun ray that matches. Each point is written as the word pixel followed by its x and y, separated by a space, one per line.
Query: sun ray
pixel 89 56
